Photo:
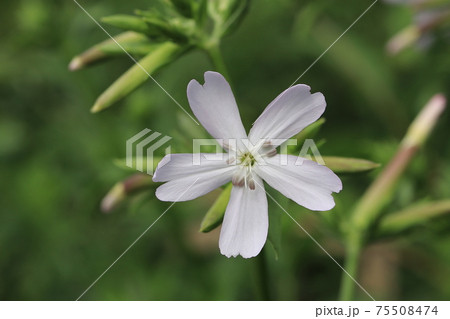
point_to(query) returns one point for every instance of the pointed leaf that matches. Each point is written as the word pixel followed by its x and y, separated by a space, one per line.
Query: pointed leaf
pixel 309 132
pixel 214 216
pixel 348 164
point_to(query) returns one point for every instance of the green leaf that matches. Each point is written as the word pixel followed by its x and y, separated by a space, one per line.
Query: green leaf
pixel 348 164
pixel 130 23
pixel 214 216
pixel 135 76
pixel 413 216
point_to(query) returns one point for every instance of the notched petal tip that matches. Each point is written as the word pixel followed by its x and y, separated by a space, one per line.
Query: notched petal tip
pixel 192 86
pixel 212 75
pixel 208 76
pixel 244 255
pixel 236 255
pixel 339 186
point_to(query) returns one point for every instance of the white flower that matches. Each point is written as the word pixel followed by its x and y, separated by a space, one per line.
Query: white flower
pixel 249 161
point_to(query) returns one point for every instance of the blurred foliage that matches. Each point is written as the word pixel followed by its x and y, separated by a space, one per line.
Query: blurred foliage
pixel 56 157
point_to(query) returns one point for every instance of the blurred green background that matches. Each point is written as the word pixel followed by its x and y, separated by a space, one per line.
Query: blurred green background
pixel 57 158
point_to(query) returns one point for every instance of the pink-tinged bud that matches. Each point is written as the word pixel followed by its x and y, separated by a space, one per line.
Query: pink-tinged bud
pixel 122 189
pixel 75 64
pixel 423 124
pixel 115 196
pixel 405 38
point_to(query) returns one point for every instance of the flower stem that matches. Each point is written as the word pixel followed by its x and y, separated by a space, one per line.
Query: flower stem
pixel 261 278
pixel 260 263
pixel 354 247
pixel 215 54
pixel 369 208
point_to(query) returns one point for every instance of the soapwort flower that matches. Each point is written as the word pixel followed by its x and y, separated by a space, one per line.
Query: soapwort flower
pixel 249 159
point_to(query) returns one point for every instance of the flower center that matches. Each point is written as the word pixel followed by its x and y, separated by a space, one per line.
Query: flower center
pixel 247 159
pixel 243 175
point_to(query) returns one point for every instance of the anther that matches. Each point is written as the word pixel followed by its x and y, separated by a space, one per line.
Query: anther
pixel 238 180
pixel 231 160
pixel 271 153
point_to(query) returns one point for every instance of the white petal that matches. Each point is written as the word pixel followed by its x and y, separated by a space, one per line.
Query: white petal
pixel 175 166
pixel 187 181
pixel 288 114
pixel 246 223
pixel 215 107
pixel 305 182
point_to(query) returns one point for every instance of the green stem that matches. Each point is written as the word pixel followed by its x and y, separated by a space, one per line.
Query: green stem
pixel 215 54
pixel 261 277
pixel 354 247
pixel 381 191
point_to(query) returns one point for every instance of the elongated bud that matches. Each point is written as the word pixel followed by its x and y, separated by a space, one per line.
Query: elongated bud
pixel 405 38
pixel 137 74
pixel 103 49
pixel 348 165
pixel 122 189
pixel 425 21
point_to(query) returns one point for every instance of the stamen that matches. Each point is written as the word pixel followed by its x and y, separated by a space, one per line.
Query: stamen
pixel 271 153
pixel 243 177
pixel 231 160
pixel 251 184
pixel 267 143
pixel 238 180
